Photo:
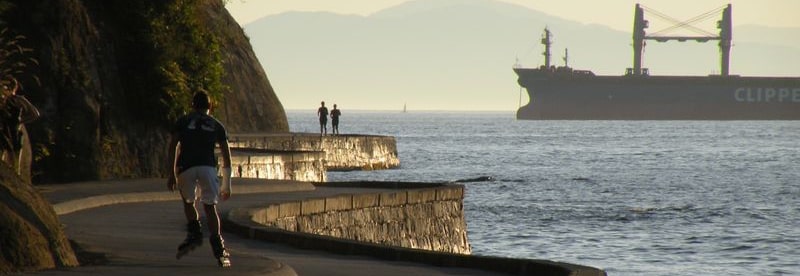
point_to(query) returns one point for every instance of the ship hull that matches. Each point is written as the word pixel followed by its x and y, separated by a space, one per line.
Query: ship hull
pixel 570 96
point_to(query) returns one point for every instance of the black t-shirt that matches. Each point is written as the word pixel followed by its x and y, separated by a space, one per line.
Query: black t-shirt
pixel 198 135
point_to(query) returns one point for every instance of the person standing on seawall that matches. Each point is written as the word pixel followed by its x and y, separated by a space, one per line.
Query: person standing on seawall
pixel 194 137
pixel 322 112
pixel 335 113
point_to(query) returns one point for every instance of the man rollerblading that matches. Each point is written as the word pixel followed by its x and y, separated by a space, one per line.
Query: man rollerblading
pixel 194 139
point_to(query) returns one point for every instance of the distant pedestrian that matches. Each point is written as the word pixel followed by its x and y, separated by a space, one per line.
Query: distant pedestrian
pixel 335 113
pixel 322 112
pixel 195 137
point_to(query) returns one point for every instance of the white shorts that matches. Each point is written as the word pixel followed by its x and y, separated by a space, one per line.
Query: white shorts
pixel 203 178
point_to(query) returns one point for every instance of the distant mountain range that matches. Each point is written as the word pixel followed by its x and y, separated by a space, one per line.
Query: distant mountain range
pixel 458 54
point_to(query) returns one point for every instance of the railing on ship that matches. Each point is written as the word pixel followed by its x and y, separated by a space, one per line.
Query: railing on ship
pixel 564 70
pixel 629 72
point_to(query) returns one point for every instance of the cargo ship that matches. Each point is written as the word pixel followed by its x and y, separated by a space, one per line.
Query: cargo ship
pixel 563 93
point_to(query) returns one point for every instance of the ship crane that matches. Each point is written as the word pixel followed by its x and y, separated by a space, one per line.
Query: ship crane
pixel 547 43
pixel 639 35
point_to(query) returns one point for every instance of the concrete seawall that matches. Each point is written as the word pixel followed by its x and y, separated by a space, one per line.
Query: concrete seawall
pixel 429 218
pixel 374 223
pixel 279 165
pixel 415 222
pixel 341 152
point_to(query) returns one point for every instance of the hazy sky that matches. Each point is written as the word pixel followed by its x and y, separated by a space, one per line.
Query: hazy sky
pixel 613 13
pixel 616 14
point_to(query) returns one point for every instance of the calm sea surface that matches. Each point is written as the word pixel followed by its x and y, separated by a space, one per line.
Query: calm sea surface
pixel 630 197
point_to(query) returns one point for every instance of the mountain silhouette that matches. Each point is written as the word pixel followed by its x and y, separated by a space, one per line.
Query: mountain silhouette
pixel 458 54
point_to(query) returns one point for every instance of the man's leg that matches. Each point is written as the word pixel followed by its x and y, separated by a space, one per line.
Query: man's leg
pixel 190 211
pixel 213 219
pixel 209 186
pixel 215 238
pixel 194 232
pixel 187 188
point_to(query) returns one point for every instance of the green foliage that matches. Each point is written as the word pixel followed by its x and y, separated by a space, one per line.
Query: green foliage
pixel 188 56
pixel 14 58
pixel 168 48
pixel 5 5
pixel 14 61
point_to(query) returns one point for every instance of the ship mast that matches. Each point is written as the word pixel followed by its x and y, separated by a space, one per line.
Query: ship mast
pixel 639 36
pixel 639 24
pixel 726 36
pixel 546 42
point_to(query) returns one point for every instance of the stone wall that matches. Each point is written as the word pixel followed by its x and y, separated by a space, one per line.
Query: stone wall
pixel 342 152
pixel 429 218
pixel 281 165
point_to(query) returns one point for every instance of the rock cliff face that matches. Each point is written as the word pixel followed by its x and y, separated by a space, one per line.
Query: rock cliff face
pixel 108 88
pixel 30 235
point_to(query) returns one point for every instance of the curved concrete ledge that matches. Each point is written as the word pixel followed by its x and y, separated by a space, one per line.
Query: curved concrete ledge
pixel 279 165
pixel 341 152
pixel 427 218
pixel 249 186
pixel 241 221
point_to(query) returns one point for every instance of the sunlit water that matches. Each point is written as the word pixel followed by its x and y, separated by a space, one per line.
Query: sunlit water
pixel 630 197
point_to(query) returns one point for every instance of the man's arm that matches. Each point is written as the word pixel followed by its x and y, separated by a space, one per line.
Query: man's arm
pixel 226 189
pixel 173 147
pixel 226 154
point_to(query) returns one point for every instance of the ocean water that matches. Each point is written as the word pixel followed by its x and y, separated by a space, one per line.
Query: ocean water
pixel 630 197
